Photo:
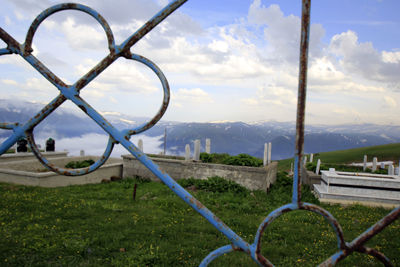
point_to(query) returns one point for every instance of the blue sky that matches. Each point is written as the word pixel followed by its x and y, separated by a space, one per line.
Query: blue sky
pixel 224 60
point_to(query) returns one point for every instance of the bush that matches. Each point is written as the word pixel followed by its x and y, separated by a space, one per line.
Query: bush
pixel 79 164
pixel 214 157
pixel 239 160
pixel 214 184
pixel 244 160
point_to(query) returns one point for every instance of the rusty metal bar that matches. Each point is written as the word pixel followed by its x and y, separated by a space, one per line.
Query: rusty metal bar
pixel 301 99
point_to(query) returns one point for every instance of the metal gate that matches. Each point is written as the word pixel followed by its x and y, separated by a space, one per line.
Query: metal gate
pixel 122 137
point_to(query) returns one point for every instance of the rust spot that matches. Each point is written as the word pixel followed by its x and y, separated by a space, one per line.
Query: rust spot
pixel 235 248
pixel 83 108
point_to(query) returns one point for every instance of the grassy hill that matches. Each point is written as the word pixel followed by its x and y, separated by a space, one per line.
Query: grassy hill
pixel 382 152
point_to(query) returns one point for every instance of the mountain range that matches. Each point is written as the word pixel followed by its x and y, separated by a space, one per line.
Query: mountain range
pixel 226 137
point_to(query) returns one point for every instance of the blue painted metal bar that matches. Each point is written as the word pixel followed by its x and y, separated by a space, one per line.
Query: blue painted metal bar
pixel 153 22
pixel 71 92
pixel 215 254
pixel 5 51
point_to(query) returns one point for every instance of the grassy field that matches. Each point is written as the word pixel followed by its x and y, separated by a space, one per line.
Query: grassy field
pixel 101 225
pixel 383 152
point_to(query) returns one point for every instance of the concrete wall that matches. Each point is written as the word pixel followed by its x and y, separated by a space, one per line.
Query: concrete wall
pixel 34 165
pixel 309 178
pixel 25 172
pixel 250 177
pixel 29 155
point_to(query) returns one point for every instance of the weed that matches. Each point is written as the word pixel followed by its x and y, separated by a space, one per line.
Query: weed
pixel 79 164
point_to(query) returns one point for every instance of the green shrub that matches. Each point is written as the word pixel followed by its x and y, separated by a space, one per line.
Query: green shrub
pixel 214 157
pixel 79 164
pixel 214 184
pixel 239 160
pixel 244 160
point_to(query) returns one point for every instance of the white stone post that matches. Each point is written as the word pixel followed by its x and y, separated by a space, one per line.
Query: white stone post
pixel 269 152
pixel 318 166
pixel 374 163
pixel 208 145
pixel 304 161
pixel 140 145
pixel 187 152
pixel 382 165
pixel 196 155
pixel 396 170
pixel 291 167
pixel 391 170
pixel 265 154
pixel 311 157
pixel 15 148
pixel 365 163
pixel 82 153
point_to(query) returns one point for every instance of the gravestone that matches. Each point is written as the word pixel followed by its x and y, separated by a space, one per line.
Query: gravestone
pixel 196 155
pixel 374 163
pixel 311 157
pixel 382 165
pixel 187 152
pixel 318 166
pixel 265 154
pixel 140 145
pixel 391 170
pixel 365 163
pixel 208 145
pixel 269 152
pixel 305 160
pixel 50 145
pixel 21 145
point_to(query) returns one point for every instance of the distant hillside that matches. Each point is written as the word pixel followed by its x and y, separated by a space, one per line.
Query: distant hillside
pixel 382 152
pixel 226 137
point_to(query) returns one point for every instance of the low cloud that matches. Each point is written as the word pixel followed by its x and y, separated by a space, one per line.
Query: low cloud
pixel 95 144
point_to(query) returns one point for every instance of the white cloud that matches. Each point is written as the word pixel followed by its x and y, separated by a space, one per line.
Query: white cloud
pixel 390 101
pixel 190 96
pixel 364 60
pixel 122 76
pixel 391 57
pixel 83 37
pixel 256 54
pixel 219 46
pixel 9 82
pixel 95 144
pixel 8 21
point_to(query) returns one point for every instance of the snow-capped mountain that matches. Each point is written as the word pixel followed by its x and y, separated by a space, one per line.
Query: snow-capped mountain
pixel 226 137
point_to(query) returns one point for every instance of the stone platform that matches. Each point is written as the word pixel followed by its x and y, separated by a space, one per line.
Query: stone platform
pixel 25 169
pixel 363 188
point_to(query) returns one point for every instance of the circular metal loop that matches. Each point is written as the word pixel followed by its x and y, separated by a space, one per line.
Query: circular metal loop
pixel 291 207
pixel 66 6
pixel 215 254
pixel 166 97
pixel 378 255
pixel 66 171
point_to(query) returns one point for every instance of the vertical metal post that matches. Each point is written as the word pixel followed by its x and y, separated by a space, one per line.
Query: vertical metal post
pixel 301 101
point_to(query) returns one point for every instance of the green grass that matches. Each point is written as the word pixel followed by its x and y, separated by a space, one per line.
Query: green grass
pixel 101 225
pixel 382 152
